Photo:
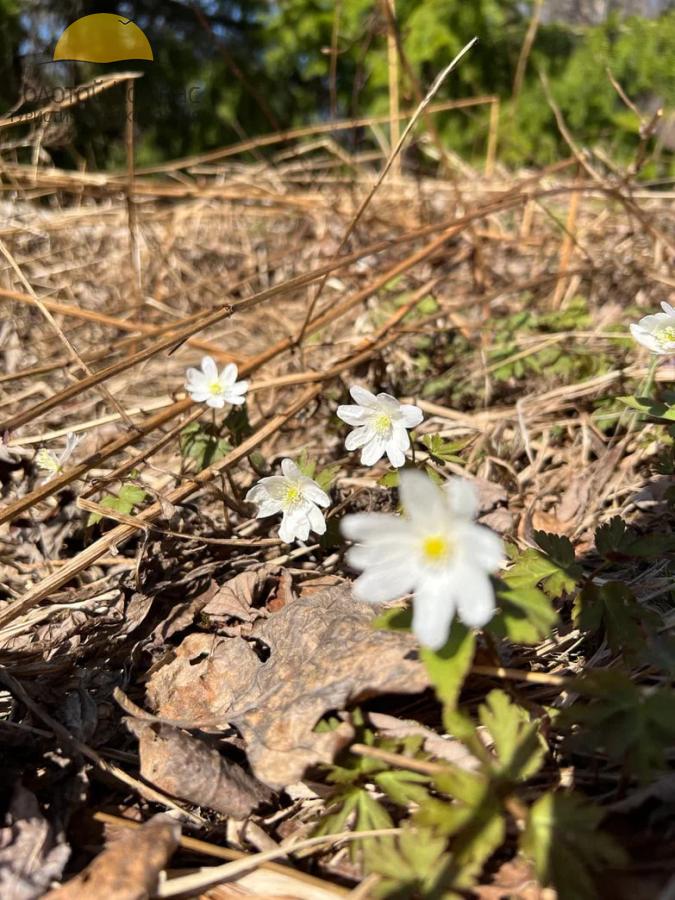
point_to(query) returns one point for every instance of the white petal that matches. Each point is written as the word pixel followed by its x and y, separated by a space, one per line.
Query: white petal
pixel 229 375
pixel 209 368
pixel 372 451
pixel 433 610
pixel 423 502
pixel 313 492
pixel 463 497
pixel 646 338
pixel 294 525
pixel 668 309
pixel 268 507
pixel 481 547
pixel 367 556
pixel 395 454
pixel 358 437
pixel 316 520
pixel 389 403
pixel 382 583
pixel 215 402
pixel 274 486
pixel 363 397
pixel 239 387
pixel 235 399
pixel 198 395
pixel 353 415
pixel 289 468
pixel 372 526
pixel 400 437
pixel 257 494
pixel 475 596
pixel 411 416
pixel 196 377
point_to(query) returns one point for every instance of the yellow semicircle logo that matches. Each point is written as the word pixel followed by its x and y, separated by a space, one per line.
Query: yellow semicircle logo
pixel 103 38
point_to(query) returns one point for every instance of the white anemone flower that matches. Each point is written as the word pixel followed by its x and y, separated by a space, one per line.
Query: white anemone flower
pixel 295 495
pixel 380 426
pixel 657 332
pixel 206 385
pixel 434 550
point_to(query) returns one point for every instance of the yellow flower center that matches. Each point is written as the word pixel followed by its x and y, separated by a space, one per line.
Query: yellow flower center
pixel 293 495
pixel 216 388
pixel 382 423
pixel 666 335
pixel 436 548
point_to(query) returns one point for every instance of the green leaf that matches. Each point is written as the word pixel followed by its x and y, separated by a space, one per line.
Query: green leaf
pixel 613 609
pixel 442 450
pixel 306 465
pixel 519 747
pixel 403 787
pixel 202 443
pixel 650 407
pixel 128 496
pixel 396 618
pixel 475 820
pixel 413 865
pixel 449 666
pixel 325 477
pixel 526 615
pixel 563 840
pixel 555 576
pixel 617 540
pixel 389 479
pixel 238 424
pixel 634 727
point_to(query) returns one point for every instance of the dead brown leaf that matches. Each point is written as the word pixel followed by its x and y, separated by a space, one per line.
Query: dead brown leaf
pixel 236 599
pixel 129 868
pixel 30 855
pixel 323 655
pixel 514 880
pixel 186 767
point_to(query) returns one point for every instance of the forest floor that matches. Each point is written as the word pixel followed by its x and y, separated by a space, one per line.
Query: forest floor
pixel 162 650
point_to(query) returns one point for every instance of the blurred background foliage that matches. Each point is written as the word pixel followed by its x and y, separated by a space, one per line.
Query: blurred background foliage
pixel 226 70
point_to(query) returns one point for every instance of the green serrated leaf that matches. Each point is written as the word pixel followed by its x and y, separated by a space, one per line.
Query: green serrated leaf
pixel 634 727
pixel 306 465
pixel 613 609
pixel 128 496
pixel 657 409
pixel 616 539
pixel 526 615
pixel 325 477
pixel 413 865
pixel 202 443
pixel 475 820
pixel 563 840
pixel 519 746
pixel 403 787
pixel 449 666
pixel 445 451
pixel 532 568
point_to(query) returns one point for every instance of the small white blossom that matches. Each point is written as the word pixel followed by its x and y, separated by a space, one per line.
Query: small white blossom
pixel 657 332
pixel 295 495
pixel 53 464
pixel 206 385
pixel 380 425
pixel 434 550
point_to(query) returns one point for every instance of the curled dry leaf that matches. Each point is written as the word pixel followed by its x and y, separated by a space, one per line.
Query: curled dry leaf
pixel 184 766
pixel 237 597
pixel 323 655
pixel 129 868
pixel 30 856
